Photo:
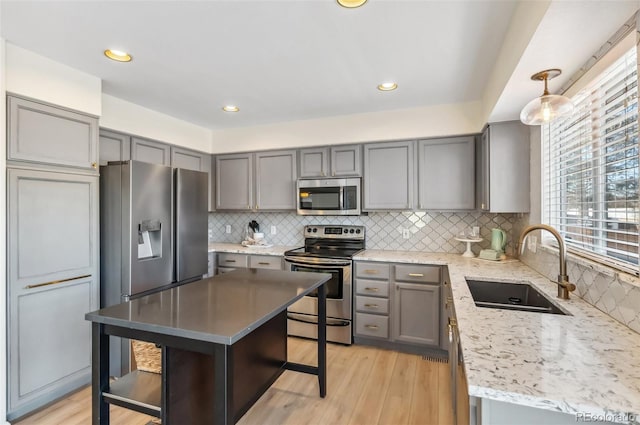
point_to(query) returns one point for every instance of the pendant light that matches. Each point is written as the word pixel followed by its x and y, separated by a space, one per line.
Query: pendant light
pixel 548 106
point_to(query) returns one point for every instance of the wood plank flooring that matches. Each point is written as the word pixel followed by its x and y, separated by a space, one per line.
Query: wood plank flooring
pixel 365 386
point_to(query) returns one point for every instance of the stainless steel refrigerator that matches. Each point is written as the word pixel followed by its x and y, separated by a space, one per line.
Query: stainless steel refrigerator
pixel 153 234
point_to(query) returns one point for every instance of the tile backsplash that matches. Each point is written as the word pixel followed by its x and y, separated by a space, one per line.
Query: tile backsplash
pixel 428 232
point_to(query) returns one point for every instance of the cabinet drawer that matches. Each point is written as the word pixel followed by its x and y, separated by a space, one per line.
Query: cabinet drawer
pixel 372 305
pixel 265 262
pixel 372 325
pixel 372 270
pixel 429 274
pixel 232 260
pixel 376 288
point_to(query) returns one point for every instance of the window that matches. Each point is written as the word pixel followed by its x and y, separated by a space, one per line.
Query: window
pixel 590 188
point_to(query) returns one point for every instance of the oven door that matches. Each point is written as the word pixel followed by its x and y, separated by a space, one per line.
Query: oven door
pixel 338 288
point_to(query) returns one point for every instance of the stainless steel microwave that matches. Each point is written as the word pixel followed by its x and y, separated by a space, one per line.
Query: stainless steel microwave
pixel 329 196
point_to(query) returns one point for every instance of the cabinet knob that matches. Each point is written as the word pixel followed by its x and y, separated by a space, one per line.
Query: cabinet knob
pixel 248 207
pixel 482 206
pixel 94 165
pixel 256 206
pixel 333 174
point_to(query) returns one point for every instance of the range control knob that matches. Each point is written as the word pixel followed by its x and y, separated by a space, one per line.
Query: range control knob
pixel 308 229
pixel 345 231
pixel 351 231
pixel 358 231
pixel 315 230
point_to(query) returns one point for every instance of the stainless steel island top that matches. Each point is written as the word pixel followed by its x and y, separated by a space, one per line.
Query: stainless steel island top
pixel 221 309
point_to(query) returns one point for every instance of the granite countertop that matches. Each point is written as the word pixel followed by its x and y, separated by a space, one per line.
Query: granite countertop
pixel 586 362
pixel 236 248
pixel 221 309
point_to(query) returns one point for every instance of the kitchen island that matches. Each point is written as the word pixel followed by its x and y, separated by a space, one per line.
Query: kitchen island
pixel 223 339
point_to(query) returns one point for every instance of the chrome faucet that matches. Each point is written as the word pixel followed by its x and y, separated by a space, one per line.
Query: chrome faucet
pixel 564 287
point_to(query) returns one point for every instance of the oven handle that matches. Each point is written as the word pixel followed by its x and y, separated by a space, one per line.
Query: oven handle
pixel 318 265
pixel 330 322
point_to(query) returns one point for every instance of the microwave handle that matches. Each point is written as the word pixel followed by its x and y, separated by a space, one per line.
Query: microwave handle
pixel 341 197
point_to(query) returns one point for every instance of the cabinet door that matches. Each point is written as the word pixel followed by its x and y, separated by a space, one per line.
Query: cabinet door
pixel 43 133
pixel 191 160
pixel 389 176
pixel 416 313
pixel 212 184
pixel 150 151
pixel 234 182
pixel 276 180
pixel 346 160
pixel 52 282
pixel 509 157
pixel 114 147
pixel 314 162
pixel 446 173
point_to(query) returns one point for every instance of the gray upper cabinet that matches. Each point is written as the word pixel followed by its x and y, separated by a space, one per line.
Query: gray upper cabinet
pixel 52 279
pixel 346 160
pixel 47 134
pixel 150 151
pixel 446 174
pixel 114 147
pixel 234 182
pixel 276 173
pixel 503 176
pixel 334 161
pixel 314 162
pixel 193 160
pixel 389 176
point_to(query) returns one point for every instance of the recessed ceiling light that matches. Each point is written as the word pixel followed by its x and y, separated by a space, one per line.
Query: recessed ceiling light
pixel 230 108
pixel 388 86
pixel 118 55
pixel 351 4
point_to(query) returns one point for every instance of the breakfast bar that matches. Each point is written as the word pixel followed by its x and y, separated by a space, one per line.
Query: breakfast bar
pixel 223 340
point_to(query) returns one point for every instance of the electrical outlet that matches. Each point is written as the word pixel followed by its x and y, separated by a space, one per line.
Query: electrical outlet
pixel 406 234
pixel 532 243
pixel 227 228
pixel 273 230
pixel 476 230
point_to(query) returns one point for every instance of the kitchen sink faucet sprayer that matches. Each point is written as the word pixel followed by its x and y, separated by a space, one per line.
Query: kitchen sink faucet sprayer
pixel 564 286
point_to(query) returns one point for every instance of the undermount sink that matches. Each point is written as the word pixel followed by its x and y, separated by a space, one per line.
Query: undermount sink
pixel 511 296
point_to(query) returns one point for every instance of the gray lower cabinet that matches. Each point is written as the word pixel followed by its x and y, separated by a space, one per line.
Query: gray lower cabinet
pixel 416 307
pixel 114 147
pixel 333 161
pixel 230 261
pixel 234 182
pixel 150 151
pixel 389 176
pixel 39 132
pixel 503 168
pixel 276 174
pixel 52 279
pixel 260 181
pixel 446 173
pixel 397 303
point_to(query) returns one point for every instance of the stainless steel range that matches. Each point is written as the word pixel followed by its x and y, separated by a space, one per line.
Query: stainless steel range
pixel 327 249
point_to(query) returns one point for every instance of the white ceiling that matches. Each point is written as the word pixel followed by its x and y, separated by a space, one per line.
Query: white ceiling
pixel 301 59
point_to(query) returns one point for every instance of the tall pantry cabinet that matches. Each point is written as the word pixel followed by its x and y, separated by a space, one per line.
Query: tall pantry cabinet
pixel 52 255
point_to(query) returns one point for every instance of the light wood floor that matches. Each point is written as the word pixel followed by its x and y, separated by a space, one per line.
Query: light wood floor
pixel 365 386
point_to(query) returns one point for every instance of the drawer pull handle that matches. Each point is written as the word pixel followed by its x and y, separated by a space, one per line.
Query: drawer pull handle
pixel 371 289
pixel 371 305
pixel 374 327
pixel 54 282
pixel 263 263
pixel 416 275
pixel 229 261
pixel 371 271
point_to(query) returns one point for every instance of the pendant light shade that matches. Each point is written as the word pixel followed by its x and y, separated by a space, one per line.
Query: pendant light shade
pixel 548 106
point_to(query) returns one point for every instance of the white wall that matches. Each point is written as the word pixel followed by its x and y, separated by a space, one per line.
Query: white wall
pixel 32 75
pixel 120 115
pixel 3 237
pixel 433 121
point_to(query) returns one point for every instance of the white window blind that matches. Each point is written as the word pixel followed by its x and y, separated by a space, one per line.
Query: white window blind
pixel 590 187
